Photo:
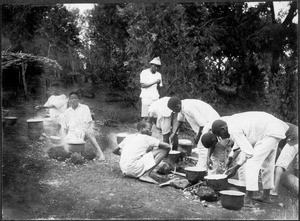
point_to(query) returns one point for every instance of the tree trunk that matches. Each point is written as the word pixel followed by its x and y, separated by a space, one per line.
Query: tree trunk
pixel 24 67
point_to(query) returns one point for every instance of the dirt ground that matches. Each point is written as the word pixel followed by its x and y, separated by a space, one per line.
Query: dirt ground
pixel 37 187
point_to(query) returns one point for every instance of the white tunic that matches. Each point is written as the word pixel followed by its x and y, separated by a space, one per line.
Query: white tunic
pixel 60 102
pixel 247 128
pixel 197 113
pixel 76 121
pixel 147 77
pixel 133 148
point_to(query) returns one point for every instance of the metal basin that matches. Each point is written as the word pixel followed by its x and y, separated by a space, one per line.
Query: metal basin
pixel 10 120
pixel 76 146
pixel 185 146
pixel 194 174
pixel 217 181
pixel 232 199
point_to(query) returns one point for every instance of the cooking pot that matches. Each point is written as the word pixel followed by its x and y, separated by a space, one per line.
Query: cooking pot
pixel 217 181
pixel 173 156
pixel 194 174
pixel 185 146
pixel 36 124
pixel 10 120
pixel 121 137
pixel 76 146
pixel 55 139
pixel 237 185
pixel 232 199
pixel 5 112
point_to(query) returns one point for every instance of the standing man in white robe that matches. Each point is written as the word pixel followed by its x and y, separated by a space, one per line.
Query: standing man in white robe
pixel 150 80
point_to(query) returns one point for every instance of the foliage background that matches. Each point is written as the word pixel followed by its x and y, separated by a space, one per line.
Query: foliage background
pixel 227 54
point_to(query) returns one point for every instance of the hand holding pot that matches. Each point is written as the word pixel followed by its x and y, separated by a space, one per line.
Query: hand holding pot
pixel 232 171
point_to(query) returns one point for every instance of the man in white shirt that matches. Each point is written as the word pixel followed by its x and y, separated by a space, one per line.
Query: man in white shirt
pixel 56 104
pixel 198 114
pixel 141 153
pixel 165 119
pixel 289 156
pixel 78 123
pixel 257 134
pixel 150 79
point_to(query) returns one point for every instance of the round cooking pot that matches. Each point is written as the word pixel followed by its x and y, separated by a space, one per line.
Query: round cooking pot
pixel 185 146
pixel 10 120
pixel 232 199
pixel 35 124
pixel 194 174
pixel 174 156
pixel 55 139
pixel 76 146
pixel 5 112
pixel 121 137
pixel 217 181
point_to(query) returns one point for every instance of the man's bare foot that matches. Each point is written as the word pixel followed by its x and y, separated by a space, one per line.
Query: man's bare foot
pixel 248 202
pixel 148 179
pixel 262 199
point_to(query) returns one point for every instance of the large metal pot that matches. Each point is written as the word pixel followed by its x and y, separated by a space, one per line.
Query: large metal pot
pixel 36 124
pixel 217 181
pixel 173 156
pixel 194 174
pixel 76 146
pixel 55 139
pixel 10 120
pixel 185 146
pixel 121 137
pixel 232 199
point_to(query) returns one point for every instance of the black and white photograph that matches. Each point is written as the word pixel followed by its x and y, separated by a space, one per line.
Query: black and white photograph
pixel 149 110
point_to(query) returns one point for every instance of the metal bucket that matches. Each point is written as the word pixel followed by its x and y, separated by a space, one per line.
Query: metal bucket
pixel 76 146
pixel 173 156
pixel 35 128
pixel 217 181
pixel 231 199
pixel 121 137
pixel 194 174
pixel 185 146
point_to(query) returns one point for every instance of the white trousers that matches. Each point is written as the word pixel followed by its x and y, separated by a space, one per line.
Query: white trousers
pixel 263 157
pixel 202 160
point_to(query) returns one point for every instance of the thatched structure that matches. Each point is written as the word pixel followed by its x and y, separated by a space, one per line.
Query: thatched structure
pixel 22 60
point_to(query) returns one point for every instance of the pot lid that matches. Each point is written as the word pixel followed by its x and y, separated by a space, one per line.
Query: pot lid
pixel 55 137
pixel 35 120
pixel 10 118
pixel 232 193
pixel 184 142
pixel 76 142
pixel 215 177
pixel 174 152
pixel 196 169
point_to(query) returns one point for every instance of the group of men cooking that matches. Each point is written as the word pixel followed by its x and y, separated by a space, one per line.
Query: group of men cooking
pixel 253 137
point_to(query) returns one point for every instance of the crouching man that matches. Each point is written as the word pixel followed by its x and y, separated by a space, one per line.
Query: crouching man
pixel 141 153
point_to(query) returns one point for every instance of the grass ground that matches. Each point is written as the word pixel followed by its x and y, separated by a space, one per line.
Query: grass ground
pixel 37 187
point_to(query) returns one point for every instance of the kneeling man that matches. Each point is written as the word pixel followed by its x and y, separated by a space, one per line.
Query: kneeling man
pixel 141 153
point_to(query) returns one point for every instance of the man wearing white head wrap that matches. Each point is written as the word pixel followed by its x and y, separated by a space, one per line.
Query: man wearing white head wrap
pixel 150 80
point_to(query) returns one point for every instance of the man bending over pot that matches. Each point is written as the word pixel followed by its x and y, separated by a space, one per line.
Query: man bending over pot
pixel 141 153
